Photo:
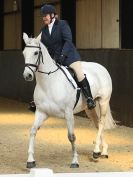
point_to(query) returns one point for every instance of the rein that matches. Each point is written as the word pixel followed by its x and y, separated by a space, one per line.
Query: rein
pixel 36 65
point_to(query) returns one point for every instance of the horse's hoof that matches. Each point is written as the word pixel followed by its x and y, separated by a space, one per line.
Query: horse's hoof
pixel 74 165
pixel 31 164
pixel 96 155
pixel 104 156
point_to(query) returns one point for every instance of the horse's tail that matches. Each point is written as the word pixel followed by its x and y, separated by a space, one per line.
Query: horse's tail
pixel 109 121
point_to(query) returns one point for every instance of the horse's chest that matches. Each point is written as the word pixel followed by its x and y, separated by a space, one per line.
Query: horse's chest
pixel 51 109
pixel 53 99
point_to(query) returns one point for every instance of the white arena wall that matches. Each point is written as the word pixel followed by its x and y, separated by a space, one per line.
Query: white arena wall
pixel 45 172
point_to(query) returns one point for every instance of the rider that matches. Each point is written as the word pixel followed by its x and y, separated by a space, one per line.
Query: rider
pixel 57 37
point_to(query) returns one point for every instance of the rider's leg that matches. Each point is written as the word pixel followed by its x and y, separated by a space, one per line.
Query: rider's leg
pixel 76 66
pixel 83 84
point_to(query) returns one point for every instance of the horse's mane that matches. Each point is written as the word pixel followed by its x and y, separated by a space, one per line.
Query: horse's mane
pixel 45 49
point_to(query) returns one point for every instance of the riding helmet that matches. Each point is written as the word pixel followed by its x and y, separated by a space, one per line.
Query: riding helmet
pixel 48 9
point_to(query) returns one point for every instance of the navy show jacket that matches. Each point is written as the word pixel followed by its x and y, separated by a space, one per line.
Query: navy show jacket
pixel 60 42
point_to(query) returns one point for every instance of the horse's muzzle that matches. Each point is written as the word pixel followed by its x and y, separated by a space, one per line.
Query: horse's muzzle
pixel 28 77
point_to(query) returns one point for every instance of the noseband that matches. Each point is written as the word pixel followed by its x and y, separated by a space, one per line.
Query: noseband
pixel 36 65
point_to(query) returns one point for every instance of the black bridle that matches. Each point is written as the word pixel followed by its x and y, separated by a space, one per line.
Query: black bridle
pixel 36 65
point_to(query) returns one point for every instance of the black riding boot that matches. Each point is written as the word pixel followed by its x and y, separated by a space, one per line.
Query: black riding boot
pixel 32 106
pixel 85 87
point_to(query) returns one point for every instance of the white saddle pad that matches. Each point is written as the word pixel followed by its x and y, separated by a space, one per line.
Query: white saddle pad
pixel 69 76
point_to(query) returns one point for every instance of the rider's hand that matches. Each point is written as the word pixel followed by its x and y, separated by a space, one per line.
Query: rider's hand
pixel 61 59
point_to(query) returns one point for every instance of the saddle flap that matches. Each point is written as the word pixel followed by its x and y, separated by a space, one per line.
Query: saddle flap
pixel 73 74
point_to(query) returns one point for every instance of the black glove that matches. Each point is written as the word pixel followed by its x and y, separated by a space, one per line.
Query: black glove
pixel 61 59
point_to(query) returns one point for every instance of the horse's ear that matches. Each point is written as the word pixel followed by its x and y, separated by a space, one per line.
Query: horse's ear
pixel 39 37
pixel 25 38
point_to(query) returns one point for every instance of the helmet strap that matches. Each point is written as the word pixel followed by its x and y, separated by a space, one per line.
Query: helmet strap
pixel 51 17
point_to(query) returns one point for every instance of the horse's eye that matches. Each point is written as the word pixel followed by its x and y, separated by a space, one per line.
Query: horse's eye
pixel 36 53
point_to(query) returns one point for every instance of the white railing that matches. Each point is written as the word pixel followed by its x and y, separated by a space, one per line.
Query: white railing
pixel 44 172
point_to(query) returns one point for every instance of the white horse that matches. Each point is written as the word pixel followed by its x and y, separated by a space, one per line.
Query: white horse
pixel 54 95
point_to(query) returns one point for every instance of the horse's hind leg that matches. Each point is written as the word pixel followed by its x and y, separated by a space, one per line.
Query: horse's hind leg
pixel 72 138
pixel 104 153
pixel 39 118
pixel 92 114
pixel 101 124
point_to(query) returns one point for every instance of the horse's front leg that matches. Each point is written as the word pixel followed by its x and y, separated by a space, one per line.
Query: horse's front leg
pixel 72 138
pixel 39 118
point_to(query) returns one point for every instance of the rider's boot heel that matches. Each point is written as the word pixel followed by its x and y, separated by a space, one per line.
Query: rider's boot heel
pixel 32 106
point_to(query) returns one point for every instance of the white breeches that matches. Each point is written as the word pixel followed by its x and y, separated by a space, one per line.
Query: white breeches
pixel 76 66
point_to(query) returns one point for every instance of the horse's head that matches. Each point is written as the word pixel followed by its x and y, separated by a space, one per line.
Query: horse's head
pixel 32 54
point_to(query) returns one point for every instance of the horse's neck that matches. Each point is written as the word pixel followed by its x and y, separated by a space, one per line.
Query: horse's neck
pixel 49 63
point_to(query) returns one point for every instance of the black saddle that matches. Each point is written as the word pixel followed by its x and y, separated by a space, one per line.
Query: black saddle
pixel 73 74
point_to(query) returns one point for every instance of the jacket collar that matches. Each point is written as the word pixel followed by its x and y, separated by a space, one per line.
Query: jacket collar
pixel 54 26
pixel 46 30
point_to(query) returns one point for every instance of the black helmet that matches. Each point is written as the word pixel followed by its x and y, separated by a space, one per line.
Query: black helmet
pixel 48 9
